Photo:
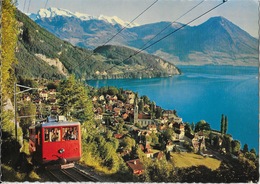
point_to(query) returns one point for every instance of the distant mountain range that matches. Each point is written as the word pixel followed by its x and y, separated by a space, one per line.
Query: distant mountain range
pixel 53 12
pixel 216 41
pixel 40 54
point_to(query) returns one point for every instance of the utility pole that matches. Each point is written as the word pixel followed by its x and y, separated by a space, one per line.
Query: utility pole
pixel 15 111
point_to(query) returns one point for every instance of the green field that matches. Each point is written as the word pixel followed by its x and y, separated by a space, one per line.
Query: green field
pixel 184 160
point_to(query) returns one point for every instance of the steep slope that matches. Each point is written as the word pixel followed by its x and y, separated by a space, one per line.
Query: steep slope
pixel 216 41
pixel 41 54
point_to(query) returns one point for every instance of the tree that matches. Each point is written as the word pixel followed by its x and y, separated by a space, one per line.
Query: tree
pixel 141 106
pixel 250 156
pixel 152 107
pixel 74 101
pixel 227 143
pixel 226 125
pixel 158 112
pixel 108 135
pixel 202 125
pixel 155 139
pixel 253 151
pixel 145 99
pixel 245 148
pixel 192 126
pixel 119 128
pixel 235 146
pixel 112 91
pixel 8 45
pixel 222 124
pixel 52 85
pixel 128 143
pixel 8 60
pixel 216 141
pixel 29 111
pixel 188 128
pixel 168 134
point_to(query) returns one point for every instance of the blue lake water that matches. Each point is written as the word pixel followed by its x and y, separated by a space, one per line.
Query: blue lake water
pixel 204 93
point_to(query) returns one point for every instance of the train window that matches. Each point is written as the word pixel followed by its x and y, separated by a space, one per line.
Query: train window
pixel 70 133
pixel 51 134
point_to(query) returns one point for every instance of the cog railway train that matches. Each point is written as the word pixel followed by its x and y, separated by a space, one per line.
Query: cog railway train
pixel 55 142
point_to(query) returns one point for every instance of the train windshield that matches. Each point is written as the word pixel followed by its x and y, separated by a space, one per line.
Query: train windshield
pixel 51 134
pixel 70 133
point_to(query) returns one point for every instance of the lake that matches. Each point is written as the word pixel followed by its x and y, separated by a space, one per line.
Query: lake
pixel 204 93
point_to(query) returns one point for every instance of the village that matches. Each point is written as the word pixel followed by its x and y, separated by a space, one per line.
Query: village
pixel 156 132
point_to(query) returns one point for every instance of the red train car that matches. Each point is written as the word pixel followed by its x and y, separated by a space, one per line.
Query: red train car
pixel 55 141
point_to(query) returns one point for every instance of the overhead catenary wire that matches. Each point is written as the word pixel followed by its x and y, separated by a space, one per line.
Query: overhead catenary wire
pixel 130 22
pixel 184 25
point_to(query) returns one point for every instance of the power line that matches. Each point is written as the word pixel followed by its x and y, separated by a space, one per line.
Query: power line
pixel 131 22
pixel 29 6
pixel 168 26
pixel 184 25
pixel 24 5
pixel 157 33
pixel 121 30
pixel 171 24
pixel 46 4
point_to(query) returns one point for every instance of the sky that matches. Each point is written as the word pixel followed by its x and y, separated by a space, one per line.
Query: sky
pixel 243 13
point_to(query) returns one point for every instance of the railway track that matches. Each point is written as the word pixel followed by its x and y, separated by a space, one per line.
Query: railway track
pixel 70 175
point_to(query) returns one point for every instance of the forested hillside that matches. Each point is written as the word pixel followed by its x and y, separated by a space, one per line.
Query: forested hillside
pixel 43 55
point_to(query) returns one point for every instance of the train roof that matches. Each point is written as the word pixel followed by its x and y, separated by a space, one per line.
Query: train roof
pixel 60 123
pixel 55 122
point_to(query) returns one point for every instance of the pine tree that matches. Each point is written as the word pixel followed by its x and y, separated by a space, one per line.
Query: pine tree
pixel 245 148
pixel 222 124
pixel 225 125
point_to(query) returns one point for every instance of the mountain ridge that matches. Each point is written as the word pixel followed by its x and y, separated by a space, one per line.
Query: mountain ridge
pixel 216 41
pixel 43 55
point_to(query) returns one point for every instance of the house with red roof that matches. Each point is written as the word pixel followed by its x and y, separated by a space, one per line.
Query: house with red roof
pixel 136 166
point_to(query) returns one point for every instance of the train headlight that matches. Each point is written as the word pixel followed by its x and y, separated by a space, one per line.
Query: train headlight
pixel 60 151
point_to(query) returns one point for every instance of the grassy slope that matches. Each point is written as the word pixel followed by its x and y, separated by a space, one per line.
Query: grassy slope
pixel 184 160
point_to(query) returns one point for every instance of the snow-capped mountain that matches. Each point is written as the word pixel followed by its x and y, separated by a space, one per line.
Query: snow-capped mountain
pixel 52 12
